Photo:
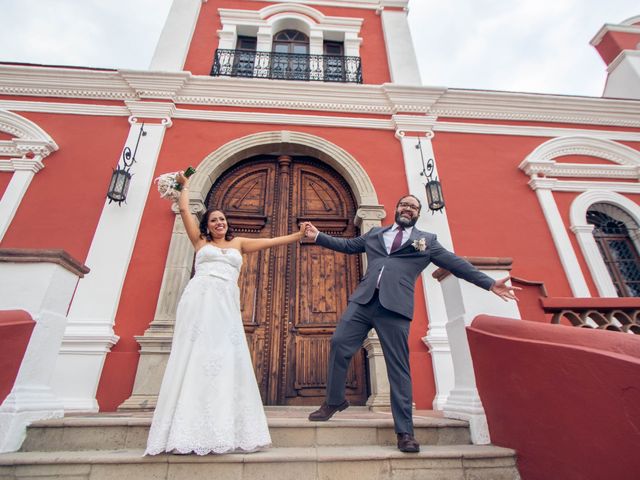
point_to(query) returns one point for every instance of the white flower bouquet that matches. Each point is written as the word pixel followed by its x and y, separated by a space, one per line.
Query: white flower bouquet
pixel 168 186
pixel 420 245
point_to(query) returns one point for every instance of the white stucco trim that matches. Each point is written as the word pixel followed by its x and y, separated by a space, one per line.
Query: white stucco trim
pixel 343 162
pixel 584 234
pixel 403 64
pixel 89 334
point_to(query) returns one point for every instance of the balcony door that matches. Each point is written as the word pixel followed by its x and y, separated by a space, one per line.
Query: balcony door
pixel 292 296
pixel 290 59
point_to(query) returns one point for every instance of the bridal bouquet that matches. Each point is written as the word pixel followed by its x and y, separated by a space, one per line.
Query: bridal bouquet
pixel 168 187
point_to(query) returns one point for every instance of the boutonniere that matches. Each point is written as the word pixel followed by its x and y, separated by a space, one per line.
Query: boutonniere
pixel 420 244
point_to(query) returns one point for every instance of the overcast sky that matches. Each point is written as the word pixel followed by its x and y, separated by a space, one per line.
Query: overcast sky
pixel 516 45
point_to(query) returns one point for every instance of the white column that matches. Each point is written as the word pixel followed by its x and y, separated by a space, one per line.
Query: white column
pixel 400 53
pixel 436 338
pixel 464 301
pixel 24 171
pixel 558 231
pixel 89 335
pixel 43 285
pixel 599 272
pixel 175 39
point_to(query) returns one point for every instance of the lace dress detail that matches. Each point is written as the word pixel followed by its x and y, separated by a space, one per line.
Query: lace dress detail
pixel 209 400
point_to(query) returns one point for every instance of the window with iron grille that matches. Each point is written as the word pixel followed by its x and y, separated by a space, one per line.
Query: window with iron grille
pixel 614 232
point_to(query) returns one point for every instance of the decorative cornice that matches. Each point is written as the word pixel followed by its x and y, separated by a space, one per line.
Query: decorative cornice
pixel 31 141
pixel 582 186
pixel 530 131
pixel 154 84
pixel 528 107
pixel 161 110
pixel 421 124
pixel 60 257
pixel 541 160
pixel 387 99
pixel 25 164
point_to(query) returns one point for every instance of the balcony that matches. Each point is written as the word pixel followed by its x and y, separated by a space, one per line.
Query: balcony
pixel 286 66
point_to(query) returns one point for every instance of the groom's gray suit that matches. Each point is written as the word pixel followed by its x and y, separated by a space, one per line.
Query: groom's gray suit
pixel 384 300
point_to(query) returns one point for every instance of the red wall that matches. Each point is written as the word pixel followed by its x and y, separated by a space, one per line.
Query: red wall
pixel 566 399
pixel 64 201
pixel 15 332
pixel 614 42
pixel 492 211
pixel 205 40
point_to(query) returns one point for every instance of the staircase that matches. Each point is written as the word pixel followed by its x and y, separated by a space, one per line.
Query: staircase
pixel 354 444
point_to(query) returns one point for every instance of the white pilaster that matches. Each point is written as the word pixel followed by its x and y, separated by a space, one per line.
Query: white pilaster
pixel 173 45
pixel 558 231
pixel 401 56
pixel 464 301
pixel 623 78
pixel 24 170
pixel 436 337
pixel 44 288
pixel 89 334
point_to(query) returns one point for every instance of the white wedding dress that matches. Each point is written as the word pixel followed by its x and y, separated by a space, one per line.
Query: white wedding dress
pixel 209 400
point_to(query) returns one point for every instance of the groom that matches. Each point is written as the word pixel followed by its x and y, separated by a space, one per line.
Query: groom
pixel 384 300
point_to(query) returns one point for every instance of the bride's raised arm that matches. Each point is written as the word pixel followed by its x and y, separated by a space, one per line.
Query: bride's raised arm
pixel 190 223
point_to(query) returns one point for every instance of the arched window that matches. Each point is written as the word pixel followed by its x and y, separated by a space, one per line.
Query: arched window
pixel 615 233
pixel 290 55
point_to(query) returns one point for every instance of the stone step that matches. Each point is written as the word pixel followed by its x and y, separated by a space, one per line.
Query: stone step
pixel 289 428
pixel 373 462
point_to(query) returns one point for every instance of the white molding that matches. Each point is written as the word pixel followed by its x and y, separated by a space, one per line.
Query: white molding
pixel 583 145
pixel 284 119
pixel 581 186
pixel 530 131
pixel 182 87
pixel 399 46
pixel 64 108
pixel 584 234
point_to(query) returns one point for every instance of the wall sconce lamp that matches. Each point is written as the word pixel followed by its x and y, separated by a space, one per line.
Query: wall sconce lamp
pixel 435 199
pixel 121 176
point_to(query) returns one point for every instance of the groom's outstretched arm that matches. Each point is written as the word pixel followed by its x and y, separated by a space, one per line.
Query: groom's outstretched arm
pixel 344 245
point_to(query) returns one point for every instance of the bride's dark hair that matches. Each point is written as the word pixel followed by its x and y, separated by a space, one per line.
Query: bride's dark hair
pixel 204 230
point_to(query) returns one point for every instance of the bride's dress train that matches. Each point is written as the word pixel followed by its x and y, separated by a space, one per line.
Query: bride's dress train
pixel 209 400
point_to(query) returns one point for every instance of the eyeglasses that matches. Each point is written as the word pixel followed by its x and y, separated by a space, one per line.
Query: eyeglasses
pixel 413 207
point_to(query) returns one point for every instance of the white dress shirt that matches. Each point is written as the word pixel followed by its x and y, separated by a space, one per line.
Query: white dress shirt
pixel 390 234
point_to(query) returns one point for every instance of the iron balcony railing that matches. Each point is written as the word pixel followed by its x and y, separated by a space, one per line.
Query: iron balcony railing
pixel 286 66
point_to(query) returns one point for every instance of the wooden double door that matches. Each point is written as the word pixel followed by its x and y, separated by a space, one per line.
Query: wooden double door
pixel 292 296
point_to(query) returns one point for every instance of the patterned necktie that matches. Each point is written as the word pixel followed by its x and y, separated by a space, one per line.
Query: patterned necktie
pixel 397 241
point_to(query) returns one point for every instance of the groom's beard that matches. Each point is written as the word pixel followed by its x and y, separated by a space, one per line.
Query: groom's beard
pixel 405 223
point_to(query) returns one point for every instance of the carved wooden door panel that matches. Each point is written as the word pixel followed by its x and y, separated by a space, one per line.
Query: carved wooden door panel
pixel 292 296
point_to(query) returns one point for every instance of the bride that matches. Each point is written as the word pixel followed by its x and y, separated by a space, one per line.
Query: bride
pixel 209 400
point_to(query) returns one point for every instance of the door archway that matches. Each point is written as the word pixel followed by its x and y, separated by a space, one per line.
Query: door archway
pixel 292 296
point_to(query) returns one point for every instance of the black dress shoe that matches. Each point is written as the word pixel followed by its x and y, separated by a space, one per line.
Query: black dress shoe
pixel 407 443
pixel 326 411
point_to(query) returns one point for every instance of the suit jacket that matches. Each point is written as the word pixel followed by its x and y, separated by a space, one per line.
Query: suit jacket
pixel 401 268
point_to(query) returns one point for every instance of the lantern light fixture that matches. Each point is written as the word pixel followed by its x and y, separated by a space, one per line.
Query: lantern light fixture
pixel 435 199
pixel 121 176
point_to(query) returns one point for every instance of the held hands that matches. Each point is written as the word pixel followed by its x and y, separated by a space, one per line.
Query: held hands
pixel 504 291
pixel 310 231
